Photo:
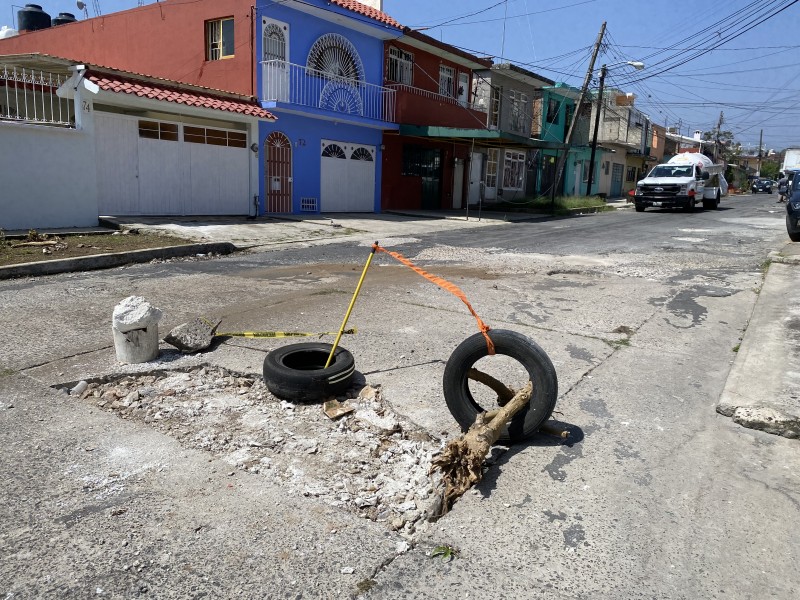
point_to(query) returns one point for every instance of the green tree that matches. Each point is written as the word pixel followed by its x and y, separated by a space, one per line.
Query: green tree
pixel 729 147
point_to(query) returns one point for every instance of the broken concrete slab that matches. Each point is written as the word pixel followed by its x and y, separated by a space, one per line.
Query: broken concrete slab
pixel 193 336
pixel 769 420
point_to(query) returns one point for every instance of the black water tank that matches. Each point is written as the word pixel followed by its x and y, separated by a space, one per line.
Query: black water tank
pixel 32 18
pixel 63 19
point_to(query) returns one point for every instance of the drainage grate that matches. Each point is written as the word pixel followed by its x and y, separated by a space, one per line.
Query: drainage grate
pixel 308 205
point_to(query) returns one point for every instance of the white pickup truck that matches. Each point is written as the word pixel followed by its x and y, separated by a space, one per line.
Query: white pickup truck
pixel 682 182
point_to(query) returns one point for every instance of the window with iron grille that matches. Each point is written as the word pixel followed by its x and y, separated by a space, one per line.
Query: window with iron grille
pixel 401 66
pixel 494 113
pixel 447 81
pixel 491 168
pixel 630 175
pixel 514 170
pixel 552 110
pixel 519 109
pixel 219 39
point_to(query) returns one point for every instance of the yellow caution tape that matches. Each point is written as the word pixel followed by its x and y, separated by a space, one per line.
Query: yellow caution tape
pixel 280 334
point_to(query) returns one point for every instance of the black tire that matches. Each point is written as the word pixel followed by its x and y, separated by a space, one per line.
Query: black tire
pixel 716 201
pixel 638 208
pixel 540 369
pixel 769 190
pixel 296 371
pixel 795 237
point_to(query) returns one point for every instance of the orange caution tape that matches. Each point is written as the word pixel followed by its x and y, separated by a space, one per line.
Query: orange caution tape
pixel 445 285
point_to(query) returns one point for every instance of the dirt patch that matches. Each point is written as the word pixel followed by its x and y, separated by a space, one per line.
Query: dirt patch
pixel 370 462
pixel 39 247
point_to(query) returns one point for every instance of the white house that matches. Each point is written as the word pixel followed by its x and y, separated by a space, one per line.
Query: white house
pixel 80 141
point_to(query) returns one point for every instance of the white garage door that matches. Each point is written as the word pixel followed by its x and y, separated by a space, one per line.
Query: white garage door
pixel 147 167
pixel 347 177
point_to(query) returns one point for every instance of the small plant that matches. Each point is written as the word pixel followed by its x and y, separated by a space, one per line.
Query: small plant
pixel 447 553
pixel 35 236
pixel 4 243
pixel 736 347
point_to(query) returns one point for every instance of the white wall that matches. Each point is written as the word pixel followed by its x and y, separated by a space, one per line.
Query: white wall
pixel 47 177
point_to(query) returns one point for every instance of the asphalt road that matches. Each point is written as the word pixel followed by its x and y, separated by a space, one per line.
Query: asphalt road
pixel 655 496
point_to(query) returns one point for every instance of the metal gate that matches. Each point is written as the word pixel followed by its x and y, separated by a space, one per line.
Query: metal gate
pixel 616 181
pixel 278 173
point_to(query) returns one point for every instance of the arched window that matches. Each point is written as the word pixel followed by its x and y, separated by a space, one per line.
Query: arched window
pixel 274 42
pixel 361 153
pixel 333 151
pixel 334 55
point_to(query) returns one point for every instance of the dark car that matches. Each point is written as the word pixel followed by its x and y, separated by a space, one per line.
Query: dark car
pixel 793 211
pixel 762 185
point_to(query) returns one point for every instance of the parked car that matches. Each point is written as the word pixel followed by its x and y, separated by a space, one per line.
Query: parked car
pixel 793 211
pixel 762 185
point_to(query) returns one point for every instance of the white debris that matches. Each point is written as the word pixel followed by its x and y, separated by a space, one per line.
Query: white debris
pixel 134 313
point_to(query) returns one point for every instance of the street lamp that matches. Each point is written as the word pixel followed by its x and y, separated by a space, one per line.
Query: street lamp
pixel 603 70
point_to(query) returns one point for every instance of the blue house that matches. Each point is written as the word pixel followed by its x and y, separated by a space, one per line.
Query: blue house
pixel 320 70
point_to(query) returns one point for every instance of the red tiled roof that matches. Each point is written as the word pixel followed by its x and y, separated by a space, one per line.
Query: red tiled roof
pixel 126 85
pixel 367 11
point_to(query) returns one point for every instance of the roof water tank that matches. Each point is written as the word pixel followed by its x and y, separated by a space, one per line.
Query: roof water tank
pixel 32 18
pixel 63 19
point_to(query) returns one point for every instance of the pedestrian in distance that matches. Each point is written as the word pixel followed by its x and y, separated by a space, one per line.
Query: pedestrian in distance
pixel 783 187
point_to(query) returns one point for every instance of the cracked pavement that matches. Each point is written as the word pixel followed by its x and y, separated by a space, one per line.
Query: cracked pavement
pixel 655 494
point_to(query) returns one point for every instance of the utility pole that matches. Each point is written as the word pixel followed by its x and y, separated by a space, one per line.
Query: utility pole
pixel 562 159
pixel 760 145
pixel 716 145
pixel 590 178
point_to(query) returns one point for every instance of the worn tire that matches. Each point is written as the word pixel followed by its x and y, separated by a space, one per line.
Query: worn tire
pixel 795 237
pixel 296 371
pixel 638 207
pixel 540 369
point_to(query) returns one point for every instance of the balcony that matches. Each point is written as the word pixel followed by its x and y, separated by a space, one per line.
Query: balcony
pixel 416 106
pixel 287 83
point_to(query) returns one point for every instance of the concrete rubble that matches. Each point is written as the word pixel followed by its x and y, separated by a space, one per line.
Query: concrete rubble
pixel 193 336
pixel 134 325
pixel 369 462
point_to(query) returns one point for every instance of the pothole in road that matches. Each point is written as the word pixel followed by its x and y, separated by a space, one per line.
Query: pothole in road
pixel 370 462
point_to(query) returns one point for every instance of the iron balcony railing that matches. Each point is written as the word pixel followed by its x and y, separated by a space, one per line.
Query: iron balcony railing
pixel 303 86
pixel 29 96
pixel 438 97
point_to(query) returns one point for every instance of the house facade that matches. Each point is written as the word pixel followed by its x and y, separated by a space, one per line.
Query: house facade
pixel 553 114
pixel 625 136
pixel 117 143
pixel 207 43
pixel 320 71
pixel 427 161
pixel 507 92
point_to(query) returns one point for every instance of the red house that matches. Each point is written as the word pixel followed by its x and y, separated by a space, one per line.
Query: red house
pixel 433 82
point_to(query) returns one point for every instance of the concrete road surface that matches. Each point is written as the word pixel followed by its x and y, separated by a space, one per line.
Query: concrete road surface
pixel 656 495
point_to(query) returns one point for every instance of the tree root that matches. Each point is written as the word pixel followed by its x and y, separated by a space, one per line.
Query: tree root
pixel 461 461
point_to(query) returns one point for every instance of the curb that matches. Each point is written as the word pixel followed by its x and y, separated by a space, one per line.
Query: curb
pixel 110 260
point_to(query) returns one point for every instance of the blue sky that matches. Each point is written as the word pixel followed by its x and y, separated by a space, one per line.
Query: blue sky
pixel 701 57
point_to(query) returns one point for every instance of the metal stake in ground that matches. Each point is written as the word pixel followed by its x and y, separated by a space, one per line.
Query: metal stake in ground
pixel 352 304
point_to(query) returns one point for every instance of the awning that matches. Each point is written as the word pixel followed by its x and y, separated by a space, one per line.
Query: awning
pixel 485 137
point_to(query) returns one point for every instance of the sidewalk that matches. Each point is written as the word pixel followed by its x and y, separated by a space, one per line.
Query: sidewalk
pixel 763 387
pixel 222 235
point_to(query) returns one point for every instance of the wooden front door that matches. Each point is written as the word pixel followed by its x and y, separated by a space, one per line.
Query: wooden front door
pixel 278 173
